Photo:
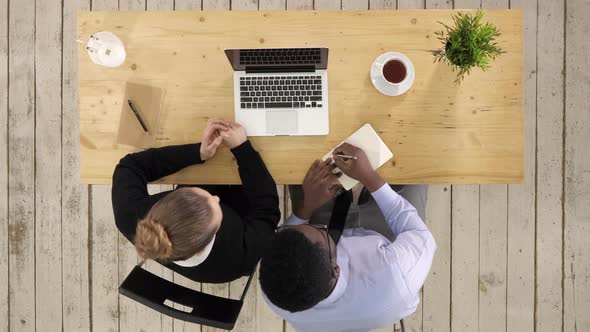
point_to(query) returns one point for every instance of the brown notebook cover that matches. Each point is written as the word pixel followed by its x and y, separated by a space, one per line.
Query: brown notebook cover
pixel 148 103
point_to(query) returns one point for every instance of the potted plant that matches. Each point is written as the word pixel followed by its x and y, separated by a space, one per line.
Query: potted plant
pixel 468 44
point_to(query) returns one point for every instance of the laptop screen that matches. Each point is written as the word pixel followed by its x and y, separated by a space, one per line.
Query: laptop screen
pixel 278 58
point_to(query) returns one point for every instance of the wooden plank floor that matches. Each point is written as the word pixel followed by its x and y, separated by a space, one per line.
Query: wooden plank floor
pixel 510 257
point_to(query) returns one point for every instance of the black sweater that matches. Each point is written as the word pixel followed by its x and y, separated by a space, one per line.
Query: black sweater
pixel 239 243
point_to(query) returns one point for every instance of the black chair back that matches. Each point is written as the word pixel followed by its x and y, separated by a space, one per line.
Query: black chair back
pixel 153 291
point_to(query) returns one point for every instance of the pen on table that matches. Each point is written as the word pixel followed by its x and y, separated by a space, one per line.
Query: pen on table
pixel 137 116
pixel 344 156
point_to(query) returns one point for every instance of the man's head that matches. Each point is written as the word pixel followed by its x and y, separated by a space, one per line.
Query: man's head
pixel 300 268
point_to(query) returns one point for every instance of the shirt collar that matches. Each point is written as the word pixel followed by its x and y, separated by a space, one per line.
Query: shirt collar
pixel 197 258
pixel 341 283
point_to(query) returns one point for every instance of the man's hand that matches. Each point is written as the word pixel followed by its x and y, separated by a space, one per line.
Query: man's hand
pixel 359 169
pixel 318 188
pixel 234 136
pixel 212 137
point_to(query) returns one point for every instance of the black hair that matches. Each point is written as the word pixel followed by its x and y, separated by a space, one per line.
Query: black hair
pixel 295 274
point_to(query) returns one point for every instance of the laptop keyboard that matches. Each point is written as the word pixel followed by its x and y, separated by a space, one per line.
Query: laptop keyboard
pixel 280 56
pixel 263 92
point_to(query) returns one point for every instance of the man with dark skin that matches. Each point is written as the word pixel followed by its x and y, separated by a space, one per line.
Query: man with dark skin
pixel 319 186
pixel 356 282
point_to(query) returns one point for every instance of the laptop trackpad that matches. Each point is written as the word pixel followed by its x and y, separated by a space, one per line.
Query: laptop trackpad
pixel 282 122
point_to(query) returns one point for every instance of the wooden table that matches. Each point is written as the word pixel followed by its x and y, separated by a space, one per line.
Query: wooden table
pixel 439 132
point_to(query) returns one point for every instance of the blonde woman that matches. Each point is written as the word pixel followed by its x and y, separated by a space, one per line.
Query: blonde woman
pixel 210 234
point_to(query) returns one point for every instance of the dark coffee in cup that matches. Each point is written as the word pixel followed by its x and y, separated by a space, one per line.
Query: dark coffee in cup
pixel 394 71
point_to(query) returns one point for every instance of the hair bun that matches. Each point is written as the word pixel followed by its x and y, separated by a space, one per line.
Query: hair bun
pixel 151 240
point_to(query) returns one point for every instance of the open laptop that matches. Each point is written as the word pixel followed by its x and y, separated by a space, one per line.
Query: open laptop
pixel 281 91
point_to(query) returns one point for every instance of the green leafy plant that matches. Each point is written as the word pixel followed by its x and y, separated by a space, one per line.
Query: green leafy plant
pixel 468 44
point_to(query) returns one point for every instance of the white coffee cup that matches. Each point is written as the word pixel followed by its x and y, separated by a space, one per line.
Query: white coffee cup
pixel 382 84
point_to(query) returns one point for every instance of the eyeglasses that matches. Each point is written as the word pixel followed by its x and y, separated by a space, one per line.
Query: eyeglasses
pixel 320 227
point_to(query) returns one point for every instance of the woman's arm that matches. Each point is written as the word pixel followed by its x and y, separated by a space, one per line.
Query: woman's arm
pixel 136 170
pixel 130 197
pixel 259 186
pixel 261 191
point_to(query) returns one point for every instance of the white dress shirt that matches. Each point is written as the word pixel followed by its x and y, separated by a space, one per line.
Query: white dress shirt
pixel 199 257
pixel 379 280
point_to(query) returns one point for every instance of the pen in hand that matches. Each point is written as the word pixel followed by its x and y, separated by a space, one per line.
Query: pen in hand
pixel 132 106
pixel 344 156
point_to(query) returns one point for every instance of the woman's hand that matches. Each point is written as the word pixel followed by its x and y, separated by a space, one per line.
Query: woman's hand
pixel 234 136
pixel 319 186
pixel 212 137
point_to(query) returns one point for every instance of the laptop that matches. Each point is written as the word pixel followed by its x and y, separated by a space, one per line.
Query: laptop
pixel 281 91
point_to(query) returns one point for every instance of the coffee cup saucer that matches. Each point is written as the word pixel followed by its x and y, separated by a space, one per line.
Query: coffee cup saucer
pixel 386 87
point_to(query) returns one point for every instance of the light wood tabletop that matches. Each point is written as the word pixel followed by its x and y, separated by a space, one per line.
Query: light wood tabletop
pixel 439 132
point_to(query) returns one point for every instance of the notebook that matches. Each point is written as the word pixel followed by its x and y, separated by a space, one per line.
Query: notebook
pixel 148 102
pixel 369 141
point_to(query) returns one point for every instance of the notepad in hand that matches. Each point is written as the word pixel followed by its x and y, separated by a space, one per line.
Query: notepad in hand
pixel 369 141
